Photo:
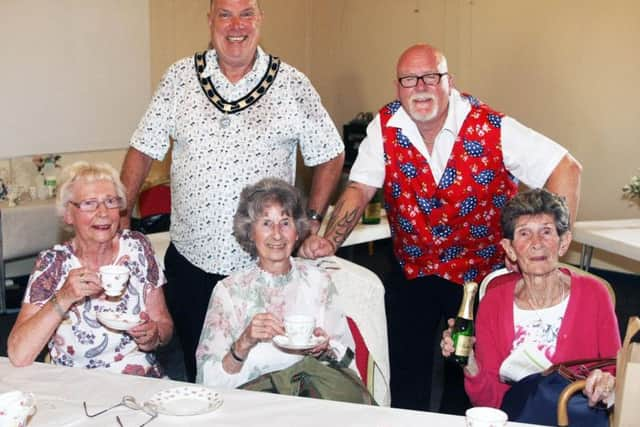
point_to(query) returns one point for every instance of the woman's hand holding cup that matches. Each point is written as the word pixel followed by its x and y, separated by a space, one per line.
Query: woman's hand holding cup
pixel 80 283
pixel 263 327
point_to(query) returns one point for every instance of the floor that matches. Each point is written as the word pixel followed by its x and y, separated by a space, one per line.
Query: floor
pixel 626 286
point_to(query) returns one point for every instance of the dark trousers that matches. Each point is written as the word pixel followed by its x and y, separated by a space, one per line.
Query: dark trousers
pixel 187 292
pixel 414 311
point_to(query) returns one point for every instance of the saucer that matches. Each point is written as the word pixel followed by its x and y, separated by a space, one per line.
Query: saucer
pixel 118 321
pixel 283 342
pixel 186 400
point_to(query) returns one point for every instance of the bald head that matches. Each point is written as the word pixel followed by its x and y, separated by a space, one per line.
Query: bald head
pixel 255 3
pixel 423 53
pixel 424 93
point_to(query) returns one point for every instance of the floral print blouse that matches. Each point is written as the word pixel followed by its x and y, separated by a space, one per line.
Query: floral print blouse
pixel 305 289
pixel 82 341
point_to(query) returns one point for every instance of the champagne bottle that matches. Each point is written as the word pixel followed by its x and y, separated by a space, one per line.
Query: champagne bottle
pixel 50 178
pixel 463 329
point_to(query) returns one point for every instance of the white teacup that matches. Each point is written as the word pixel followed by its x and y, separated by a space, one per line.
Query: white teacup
pixel 299 328
pixel 483 416
pixel 15 408
pixel 114 279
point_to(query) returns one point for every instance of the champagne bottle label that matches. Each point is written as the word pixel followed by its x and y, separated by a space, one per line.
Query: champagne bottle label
pixel 463 345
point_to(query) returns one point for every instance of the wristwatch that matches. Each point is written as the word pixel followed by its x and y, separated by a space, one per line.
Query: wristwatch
pixel 314 215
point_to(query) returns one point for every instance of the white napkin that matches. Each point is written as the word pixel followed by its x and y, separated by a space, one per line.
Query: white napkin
pixel 525 360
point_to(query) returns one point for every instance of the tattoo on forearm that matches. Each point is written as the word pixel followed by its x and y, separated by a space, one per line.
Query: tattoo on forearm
pixel 341 224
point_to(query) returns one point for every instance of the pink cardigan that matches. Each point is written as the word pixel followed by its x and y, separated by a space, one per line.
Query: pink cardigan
pixel 589 329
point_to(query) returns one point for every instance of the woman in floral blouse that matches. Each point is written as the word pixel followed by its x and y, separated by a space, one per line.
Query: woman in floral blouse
pixel 65 292
pixel 246 309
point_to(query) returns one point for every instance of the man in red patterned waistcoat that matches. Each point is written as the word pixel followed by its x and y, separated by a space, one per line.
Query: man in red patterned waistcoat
pixel 447 164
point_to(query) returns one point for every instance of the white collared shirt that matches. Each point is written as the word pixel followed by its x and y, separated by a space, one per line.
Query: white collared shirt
pixel 528 155
pixel 212 163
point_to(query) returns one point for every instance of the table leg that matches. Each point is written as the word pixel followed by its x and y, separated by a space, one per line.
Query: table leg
pixel 585 257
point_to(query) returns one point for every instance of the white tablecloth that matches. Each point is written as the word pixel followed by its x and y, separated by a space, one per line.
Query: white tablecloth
pixel 60 391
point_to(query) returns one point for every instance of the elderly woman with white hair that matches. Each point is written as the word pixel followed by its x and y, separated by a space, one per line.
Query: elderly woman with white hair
pixel 65 293
pixel 246 311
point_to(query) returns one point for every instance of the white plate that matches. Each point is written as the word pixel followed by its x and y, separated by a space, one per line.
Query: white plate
pixel 118 321
pixel 187 400
pixel 283 341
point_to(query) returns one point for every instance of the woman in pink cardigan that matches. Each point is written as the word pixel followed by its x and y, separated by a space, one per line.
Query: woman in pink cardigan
pixel 542 311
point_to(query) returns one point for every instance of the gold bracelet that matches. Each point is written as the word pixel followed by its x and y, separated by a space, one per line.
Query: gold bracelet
pixel 57 307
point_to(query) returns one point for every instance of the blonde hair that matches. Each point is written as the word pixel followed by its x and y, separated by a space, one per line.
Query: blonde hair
pixel 87 172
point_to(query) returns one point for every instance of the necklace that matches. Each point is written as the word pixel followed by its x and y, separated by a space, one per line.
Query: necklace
pixel 537 307
pixel 232 107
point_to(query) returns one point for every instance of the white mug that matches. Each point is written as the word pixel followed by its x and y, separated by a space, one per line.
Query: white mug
pixel 483 416
pixel 114 279
pixel 15 408
pixel 299 328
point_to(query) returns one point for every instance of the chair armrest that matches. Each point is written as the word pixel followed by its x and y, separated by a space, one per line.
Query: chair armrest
pixel 563 401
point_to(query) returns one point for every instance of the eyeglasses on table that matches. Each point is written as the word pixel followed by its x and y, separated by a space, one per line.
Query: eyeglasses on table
pixel 131 403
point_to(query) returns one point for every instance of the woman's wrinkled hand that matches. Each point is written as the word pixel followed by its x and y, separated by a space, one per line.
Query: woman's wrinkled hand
pixel 321 348
pixel 600 386
pixel 146 334
pixel 447 349
pixel 81 282
pixel 446 343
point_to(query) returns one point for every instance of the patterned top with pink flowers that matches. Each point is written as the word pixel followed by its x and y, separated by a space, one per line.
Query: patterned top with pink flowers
pixel 305 289
pixel 81 340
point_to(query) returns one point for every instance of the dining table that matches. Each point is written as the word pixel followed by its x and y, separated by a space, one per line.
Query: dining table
pixel 60 392
pixel 618 236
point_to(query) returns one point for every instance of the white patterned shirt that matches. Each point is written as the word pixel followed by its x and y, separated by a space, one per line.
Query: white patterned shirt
pixel 212 163
pixel 305 289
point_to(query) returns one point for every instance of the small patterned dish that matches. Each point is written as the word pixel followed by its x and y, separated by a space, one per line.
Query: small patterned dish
pixel 187 400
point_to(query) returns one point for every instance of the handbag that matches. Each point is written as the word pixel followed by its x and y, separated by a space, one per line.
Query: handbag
pixel 534 399
pixel 321 379
pixel 628 379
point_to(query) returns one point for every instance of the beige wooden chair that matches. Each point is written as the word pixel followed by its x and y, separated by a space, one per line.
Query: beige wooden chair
pixel 502 271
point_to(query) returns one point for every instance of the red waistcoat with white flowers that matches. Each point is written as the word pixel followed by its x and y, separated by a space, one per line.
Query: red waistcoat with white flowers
pixel 452 228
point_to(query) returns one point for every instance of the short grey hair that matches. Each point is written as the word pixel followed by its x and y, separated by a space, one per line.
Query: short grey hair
pixel 254 199
pixel 87 172
pixel 535 202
